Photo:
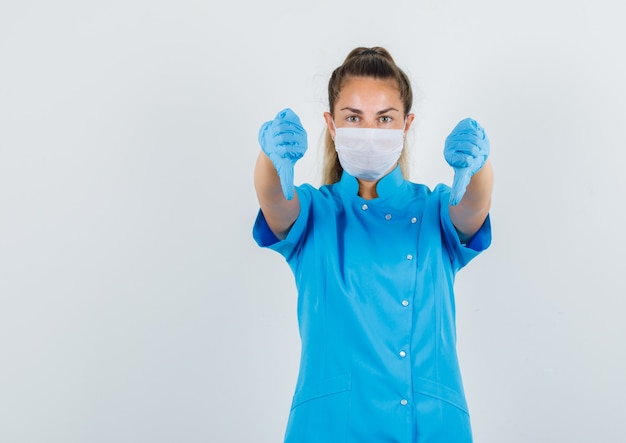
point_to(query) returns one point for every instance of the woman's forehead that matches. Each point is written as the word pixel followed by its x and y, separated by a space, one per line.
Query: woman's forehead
pixel 370 93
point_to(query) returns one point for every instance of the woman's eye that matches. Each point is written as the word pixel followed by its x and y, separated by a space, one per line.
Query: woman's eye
pixel 385 119
pixel 353 119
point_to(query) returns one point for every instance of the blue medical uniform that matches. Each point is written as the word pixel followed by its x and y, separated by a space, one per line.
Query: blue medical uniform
pixel 376 313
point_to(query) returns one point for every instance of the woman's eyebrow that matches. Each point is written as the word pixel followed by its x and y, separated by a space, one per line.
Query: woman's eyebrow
pixel 384 111
pixel 358 111
pixel 353 110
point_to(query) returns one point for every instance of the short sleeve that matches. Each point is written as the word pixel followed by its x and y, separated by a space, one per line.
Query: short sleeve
pixel 265 238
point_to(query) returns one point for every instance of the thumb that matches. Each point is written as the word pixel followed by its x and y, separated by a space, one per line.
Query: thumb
pixel 285 173
pixel 462 178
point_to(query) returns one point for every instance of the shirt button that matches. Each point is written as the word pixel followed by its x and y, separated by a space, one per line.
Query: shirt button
pixel 414 220
pixel 402 354
pixel 403 402
pixel 388 217
pixel 364 207
pixel 409 257
pixel 405 303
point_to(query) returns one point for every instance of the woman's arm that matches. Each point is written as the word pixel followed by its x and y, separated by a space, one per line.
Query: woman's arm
pixel 469 215
pixel 283 142
pixel 279 212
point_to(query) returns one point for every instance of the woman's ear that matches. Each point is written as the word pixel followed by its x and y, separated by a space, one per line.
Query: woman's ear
pixel 409 122
pixel 328 117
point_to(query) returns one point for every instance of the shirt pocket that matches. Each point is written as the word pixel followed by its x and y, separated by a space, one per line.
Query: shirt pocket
pixel 440 392
pixel 319 412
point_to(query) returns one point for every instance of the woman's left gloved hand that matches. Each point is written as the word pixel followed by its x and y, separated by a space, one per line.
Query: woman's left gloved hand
pixel 466 150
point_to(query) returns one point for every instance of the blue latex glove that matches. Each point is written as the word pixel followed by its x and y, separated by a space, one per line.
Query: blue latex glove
pixel 284 141
pixel 466 150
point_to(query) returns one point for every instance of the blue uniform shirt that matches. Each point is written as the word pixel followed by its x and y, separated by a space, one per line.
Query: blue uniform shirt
pixel 376 313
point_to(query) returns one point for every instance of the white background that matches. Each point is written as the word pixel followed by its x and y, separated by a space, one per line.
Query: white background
pixel 134 304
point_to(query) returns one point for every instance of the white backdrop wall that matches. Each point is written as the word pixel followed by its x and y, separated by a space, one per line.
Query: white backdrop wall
pixel 134 304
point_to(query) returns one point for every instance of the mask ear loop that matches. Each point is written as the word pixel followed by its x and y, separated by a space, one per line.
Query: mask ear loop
pixel 404 128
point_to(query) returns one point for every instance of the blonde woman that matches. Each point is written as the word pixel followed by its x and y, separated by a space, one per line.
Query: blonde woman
pixel 374 258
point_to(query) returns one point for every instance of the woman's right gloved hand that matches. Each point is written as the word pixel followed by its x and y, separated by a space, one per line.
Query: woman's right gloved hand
pixel 284 141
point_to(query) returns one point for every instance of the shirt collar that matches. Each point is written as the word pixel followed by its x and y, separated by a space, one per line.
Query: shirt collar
pixel 385 187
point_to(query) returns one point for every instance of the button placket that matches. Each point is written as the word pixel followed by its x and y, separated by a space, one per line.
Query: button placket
pixel 402 351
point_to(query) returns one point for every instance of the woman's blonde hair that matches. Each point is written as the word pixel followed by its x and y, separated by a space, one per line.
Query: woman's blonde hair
pixel 375 62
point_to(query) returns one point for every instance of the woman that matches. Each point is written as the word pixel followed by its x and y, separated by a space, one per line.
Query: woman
pixel 374 257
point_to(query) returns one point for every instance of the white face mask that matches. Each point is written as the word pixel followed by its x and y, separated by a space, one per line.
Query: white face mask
pixel 368 153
